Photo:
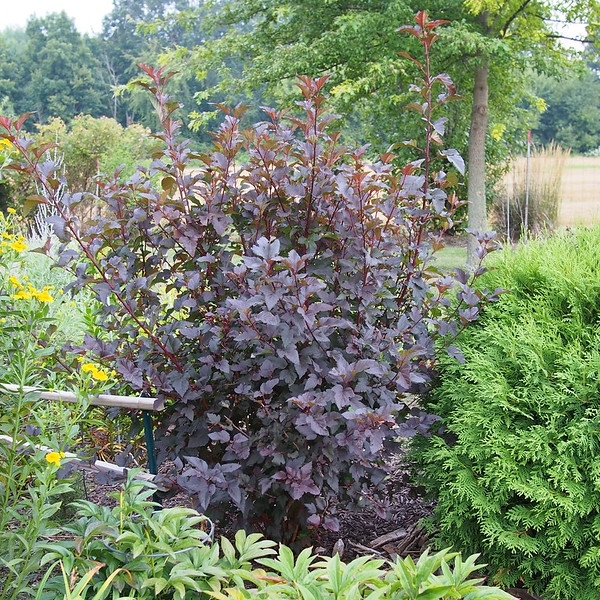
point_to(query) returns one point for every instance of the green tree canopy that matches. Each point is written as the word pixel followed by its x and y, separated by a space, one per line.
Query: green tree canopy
pixel 488 47
pixel 59 74
pixel 137 31
pixel 572 115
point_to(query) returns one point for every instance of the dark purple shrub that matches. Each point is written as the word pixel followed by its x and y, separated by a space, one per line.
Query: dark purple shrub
pixel 276 293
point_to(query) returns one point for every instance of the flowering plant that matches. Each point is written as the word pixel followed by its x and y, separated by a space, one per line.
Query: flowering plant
pixel 33 435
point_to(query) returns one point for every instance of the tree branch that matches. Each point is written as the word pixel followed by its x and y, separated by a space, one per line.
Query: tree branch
pixel 513 17
pixel 558 36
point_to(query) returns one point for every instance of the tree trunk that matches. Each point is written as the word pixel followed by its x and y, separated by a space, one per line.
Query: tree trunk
pixel 477 220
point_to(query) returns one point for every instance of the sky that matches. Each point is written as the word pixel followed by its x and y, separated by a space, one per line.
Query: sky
pixel 87 14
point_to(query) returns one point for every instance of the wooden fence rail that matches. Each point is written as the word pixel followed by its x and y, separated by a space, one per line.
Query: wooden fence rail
pixel 107 400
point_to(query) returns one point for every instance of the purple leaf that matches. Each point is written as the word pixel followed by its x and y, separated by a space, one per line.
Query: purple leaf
pixel 455 352
pixel 455 159
pixel 220 436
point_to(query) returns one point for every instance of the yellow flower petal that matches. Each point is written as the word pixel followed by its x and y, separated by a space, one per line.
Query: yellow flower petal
pixel 18 246
pixel 54 458
pixel 99 375
pixel 44 296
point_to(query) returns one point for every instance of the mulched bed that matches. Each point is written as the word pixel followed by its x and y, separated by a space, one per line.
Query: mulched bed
pixel 361 533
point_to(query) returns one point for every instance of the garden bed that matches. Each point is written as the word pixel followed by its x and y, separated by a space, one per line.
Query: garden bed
pixel 360 532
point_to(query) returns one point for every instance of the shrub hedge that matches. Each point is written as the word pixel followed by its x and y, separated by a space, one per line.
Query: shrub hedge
pixel 277 293
pixel 515 466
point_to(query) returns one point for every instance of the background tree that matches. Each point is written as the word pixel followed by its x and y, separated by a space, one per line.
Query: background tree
pixel 120 47
pixel 488 46
pixel 12 43
pixel 50 68
pixel 509 37
pixel 137 31
pixel 60 74
pixel 572 115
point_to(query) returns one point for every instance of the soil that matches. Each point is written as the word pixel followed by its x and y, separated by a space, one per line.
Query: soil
pixel 363 532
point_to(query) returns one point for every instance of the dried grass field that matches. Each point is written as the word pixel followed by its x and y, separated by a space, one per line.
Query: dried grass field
pixel 580 192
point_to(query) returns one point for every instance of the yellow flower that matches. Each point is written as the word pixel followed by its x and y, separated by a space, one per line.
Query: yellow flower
pixel 11 211
pixel 13 279
pixel 54 458
pixel 100 375
pixel 94 371
pixel 4 143
pixel 22 295
pixel 44 296
pixel 19 245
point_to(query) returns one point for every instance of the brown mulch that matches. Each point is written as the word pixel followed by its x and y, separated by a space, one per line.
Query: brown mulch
pixel 399 533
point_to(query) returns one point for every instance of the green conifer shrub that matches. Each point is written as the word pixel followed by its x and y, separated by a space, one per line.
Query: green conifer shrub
pixel 277 294
pixel 515 466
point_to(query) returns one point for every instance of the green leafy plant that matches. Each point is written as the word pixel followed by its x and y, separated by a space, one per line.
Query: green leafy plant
pixel 91 147
pixel 34 436
pixel 514 467
pixel 82 588
pixel 437 576
pixel 433 577
pixel 146 551
pixel 30 493
pixel 277 292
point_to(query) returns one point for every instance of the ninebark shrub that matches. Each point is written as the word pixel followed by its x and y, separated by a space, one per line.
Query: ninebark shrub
pixel 515 469
pixel 276 293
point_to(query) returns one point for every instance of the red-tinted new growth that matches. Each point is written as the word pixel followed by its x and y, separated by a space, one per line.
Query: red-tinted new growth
pixel 278 293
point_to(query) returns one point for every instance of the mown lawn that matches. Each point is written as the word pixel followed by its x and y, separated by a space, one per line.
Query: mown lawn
pixel 451 257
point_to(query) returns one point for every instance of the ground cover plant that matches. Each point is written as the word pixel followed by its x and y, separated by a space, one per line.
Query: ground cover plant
pixel 514 466
pixel 277 293
pixel 138 550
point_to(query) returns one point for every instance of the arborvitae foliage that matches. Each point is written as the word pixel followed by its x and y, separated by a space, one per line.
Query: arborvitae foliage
pixel 515 467
pixel 277 294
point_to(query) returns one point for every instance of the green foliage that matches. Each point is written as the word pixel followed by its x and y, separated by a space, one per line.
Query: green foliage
pixel 59 77
pixel 515 465
pixel 30 492
pixel 572 114
pixel 36 437
pixel 263 45
pixel 91 146
pixel 147 553
pixel 277 293
pixel 32 437
pixel 137 31
pixel 142 550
